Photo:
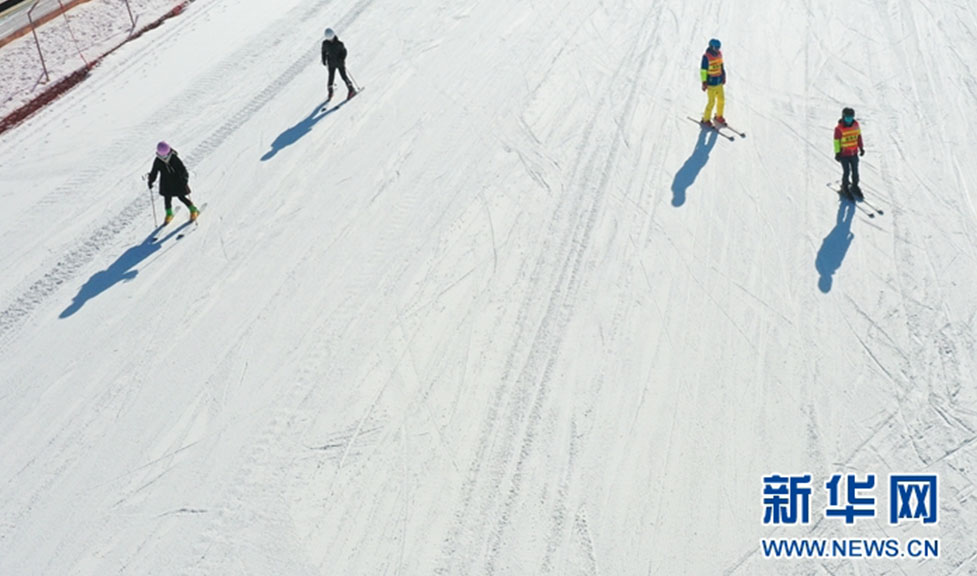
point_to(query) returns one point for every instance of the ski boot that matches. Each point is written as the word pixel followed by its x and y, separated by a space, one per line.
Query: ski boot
pixel 168 218
pixel 350 91
pixel 194 212
pixel 856 192
pixel 329 95
pixel 720 121
pixel 705 123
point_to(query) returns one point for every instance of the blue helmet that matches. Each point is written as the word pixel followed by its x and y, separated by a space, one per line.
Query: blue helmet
pixel 715 44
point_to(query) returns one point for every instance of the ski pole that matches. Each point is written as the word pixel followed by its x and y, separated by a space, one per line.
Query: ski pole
pixel 152 202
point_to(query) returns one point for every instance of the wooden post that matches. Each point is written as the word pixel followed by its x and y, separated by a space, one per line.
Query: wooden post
pixel 30 18
pixel 131 19
pixel 67 24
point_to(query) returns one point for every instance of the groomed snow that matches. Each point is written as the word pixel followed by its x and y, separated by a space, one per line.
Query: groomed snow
pixel 66 43
pixel 506 312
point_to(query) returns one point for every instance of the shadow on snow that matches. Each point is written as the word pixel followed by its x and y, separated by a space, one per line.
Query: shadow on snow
pixel 690 170
pixel 292 135
pixel 123 269
pixel 835 245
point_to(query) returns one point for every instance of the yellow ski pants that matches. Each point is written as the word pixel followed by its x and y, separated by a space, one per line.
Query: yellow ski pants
pixel 717 98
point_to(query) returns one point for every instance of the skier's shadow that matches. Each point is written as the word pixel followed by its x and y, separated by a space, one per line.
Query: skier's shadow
pixel 123 269
pixel 835 245
pixel 292 135
pixel 690 170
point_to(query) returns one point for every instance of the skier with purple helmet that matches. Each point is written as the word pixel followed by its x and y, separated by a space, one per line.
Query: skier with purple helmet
pixel 173 180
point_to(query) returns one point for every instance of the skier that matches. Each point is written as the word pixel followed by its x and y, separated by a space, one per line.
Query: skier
pixel 848 147
pixel 713 76
pixel 173 177
pixel 334 57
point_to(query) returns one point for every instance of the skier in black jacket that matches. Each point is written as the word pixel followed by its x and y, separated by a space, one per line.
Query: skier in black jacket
pixel 173 178
pixel 334 57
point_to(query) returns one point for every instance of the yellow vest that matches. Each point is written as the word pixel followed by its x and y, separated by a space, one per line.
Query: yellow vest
pixel 849 138
pixel 715 64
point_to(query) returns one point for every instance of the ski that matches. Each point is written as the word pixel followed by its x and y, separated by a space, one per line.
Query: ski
pixel 867 211
pixel 178 231
pixel 860 198
pixel 327 108
pixel 733 130
pixel 878 210
pixel 156 233
pixel 712 127
pixel 192 225
pixel 181 229
pixel 859 203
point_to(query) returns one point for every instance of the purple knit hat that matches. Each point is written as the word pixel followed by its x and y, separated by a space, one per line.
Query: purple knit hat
pixel 163 150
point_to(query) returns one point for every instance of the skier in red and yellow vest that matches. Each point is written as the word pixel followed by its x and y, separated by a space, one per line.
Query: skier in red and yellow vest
pixel 848 147
pixel 713 76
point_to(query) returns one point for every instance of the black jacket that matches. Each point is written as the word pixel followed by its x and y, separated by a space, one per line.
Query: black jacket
pixel 173 176
pixel 333 52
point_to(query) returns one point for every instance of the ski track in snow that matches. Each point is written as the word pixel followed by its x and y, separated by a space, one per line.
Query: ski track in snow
pixel 231 68
pixel 535 378
pixel 527 325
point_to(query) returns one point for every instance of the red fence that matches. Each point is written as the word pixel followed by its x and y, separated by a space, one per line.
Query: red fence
pixel 55 90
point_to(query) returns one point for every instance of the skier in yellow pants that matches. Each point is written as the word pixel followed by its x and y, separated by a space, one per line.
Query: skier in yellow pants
pixel 713 76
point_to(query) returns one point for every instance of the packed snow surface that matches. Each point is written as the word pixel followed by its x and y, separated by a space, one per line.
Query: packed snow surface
pixel 506 312
pixel 62 42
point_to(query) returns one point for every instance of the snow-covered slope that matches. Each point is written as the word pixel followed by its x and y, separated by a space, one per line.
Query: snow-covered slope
pixel 67 38
pixel 508 311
